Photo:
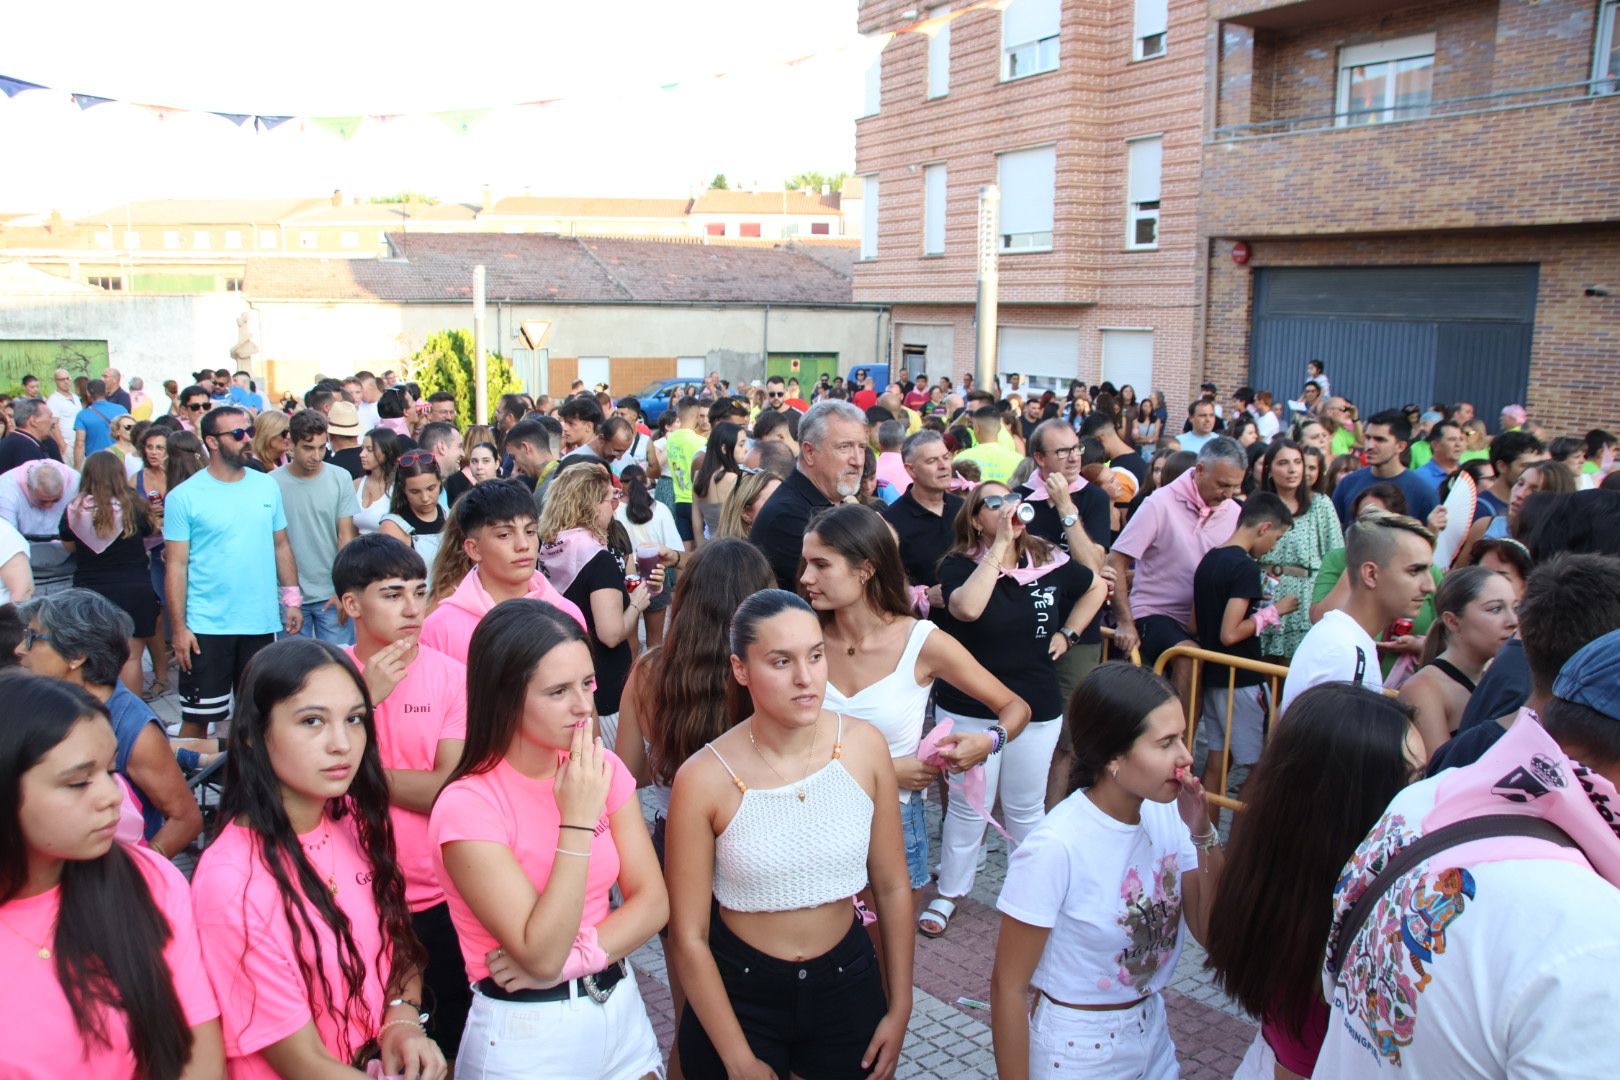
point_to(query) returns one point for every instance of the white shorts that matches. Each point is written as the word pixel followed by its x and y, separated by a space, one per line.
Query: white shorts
pixel 1248 724
pixel 575 1039
pixel 1129 1043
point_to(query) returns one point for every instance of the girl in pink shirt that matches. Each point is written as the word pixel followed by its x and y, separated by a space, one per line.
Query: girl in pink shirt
pixel 300 902
pixel 536 825
pixel 103 975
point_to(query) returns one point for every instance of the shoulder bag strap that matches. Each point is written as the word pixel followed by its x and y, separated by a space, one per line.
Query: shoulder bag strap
pixel 1428 845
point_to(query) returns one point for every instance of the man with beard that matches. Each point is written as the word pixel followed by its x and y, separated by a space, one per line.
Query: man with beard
pixel 229 568
pixel 832 453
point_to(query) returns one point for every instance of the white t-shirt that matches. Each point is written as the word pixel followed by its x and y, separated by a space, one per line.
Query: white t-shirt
pixel 1512 979
pixel 1334 650
pixel 660 530
pixel 1267 424
pixel 12 544
pixel 1111 895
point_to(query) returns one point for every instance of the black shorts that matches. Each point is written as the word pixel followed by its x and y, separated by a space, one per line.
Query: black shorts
pixel 1158 633
pixel 811 1018
pixel 216 668
pixel 683 520
pixel 446 992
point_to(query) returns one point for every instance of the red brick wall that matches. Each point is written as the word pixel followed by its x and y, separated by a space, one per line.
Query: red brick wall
pixel 1575 353
pixel 626 374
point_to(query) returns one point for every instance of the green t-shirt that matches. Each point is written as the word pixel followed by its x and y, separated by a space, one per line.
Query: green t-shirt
pixel 1422 453
pixel 1344 441
pixel 996 463
pixel 682 445
pixel 1333 566
pixel 1473 455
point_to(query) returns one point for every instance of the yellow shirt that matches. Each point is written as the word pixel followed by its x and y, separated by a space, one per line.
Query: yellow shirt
pixel 996 463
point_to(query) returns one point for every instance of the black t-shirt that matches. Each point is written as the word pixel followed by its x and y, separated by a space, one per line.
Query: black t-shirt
pixel 1091 503
pixel 19 448
pixel 1133 463
pixel 455 486
pixel 120 563
pixel 1226 573
pixel 348 458
pixel 1466 748
pixel 1012 635
pixel 612 665
pixel 925 536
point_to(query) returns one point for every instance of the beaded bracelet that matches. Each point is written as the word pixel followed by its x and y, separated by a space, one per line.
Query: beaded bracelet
pixel 998 738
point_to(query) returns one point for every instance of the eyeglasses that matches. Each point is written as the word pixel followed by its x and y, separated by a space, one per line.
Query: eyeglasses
pixel 31 636
pixel 996 502
pixel 1065 451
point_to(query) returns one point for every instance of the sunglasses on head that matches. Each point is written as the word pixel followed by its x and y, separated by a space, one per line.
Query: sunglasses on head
pixel 996 502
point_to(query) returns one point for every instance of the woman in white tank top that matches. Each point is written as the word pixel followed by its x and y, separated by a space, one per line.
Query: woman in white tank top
pixel 774 829
pixel 881 662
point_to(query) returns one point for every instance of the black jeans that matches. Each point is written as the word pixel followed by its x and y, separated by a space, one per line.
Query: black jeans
pixel 811 1018
pixel 446 993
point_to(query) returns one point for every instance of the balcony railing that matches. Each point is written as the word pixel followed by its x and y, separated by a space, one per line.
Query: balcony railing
pixel 1354 119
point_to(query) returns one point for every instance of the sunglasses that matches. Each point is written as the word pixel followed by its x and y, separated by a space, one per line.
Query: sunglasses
pixel 996 502
pixel 416 457
pixel 196 406
pixel 238 433
pixel 778 394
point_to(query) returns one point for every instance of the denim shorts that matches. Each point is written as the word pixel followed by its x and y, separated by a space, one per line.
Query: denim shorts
pixel 914 827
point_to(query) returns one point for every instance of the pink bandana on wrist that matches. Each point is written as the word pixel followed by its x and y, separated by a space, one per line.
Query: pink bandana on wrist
pixel 970 782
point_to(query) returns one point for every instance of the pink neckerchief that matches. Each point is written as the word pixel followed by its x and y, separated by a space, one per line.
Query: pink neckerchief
pixel 396 424
pixel 1037 486
pixel 1026 575
pixel 1185 488
pixel 563 558
pixel 971 781
pixel 80 519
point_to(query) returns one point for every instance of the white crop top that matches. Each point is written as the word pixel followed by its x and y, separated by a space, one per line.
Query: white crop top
pixel 895 703
pixel 784 852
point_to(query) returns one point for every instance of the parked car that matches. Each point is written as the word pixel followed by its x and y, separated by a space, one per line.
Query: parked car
pixel 660 395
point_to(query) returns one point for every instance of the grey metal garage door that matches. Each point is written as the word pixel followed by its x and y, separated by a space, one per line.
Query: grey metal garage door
pixel 1396 334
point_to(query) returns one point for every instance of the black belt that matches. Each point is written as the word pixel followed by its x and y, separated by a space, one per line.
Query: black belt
pixel 598 987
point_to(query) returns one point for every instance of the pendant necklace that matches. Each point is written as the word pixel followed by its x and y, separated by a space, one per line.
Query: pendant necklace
pixel 43 951
pixel 798 788
pixel 331 875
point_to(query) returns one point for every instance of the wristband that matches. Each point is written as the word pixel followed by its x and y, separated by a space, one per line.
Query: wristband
pixel 292 596
pixel 581 828
pixel 998 738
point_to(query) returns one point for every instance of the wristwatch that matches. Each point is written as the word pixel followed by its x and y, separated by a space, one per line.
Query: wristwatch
pixel 1069 520
pixel 1071 636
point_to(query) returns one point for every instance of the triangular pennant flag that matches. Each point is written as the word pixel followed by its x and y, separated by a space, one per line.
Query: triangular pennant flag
pixel 85 101
pixel 343 127
pixel 11 87
pixel 269 123
pixel 461 121
pixel 236 118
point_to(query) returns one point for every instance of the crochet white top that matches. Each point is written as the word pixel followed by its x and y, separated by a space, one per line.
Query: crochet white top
pixel 796 846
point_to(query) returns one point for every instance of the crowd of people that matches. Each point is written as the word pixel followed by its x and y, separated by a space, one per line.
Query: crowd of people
pixel 433 662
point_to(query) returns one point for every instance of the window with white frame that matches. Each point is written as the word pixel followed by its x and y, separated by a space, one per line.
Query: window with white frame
pixel 1606 66
pixel 201 239
pixel 267 238
pixel 132 238
pixel 939 54
pixel 1028 180
pixel 872 100
pixel 1385 81
pixel 869 217
pixel 933 209
pixel 233 239
pixel 1142 193
pixel 171 238
pixel 1029 37
pixel 1152 18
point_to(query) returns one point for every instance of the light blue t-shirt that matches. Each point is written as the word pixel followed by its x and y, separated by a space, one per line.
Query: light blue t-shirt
pixel 231 566
pixel 96 423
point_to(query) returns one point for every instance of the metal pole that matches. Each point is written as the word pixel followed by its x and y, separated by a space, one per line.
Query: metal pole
pixel 480 365
pixel 984 368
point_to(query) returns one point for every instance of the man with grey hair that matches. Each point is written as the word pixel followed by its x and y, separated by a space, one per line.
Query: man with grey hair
pixel 770 456
pixel 33 497
pixel 924 518
pixel 892 478
pixel 34 438
pixel 1171 532
pixel 832 454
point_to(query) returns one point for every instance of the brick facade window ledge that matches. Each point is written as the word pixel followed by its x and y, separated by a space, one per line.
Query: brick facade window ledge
pixel 1015 252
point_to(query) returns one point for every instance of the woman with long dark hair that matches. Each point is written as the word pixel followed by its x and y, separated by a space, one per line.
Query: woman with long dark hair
pixel 536 826
pixel 300 901
pixel 649 524
pixel 1093 906
pixel 772 833
pixel 151 486
pixel 379 456
pixel 414 516
pixel 716 476
pixel 1319 786
pixel 106 528
pixel 1295 560
pixel 104 977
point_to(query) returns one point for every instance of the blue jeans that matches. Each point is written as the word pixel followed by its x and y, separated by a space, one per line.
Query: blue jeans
pixel 914 828
pixel 321 623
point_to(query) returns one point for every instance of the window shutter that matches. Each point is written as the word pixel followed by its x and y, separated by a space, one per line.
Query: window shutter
pixel 1152 17
pixel 1025 21
pixel 1028 179
pixel 1146 158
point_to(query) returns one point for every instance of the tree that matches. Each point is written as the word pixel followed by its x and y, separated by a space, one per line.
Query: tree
pixel 405 197
pixel 719 183
pixel 814 181
pixel 445 362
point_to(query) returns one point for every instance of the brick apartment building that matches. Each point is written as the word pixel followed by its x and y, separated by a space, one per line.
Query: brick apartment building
pixel 1090 115
pixel 1428 198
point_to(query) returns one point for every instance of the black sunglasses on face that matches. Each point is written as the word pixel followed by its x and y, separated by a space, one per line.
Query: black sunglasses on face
pixel 196 406
pixel 237 433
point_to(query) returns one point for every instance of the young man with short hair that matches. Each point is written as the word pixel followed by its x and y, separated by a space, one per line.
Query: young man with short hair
pixel 776 394
pixel 92 425
pixel 229 567
pixel 194 404
pixel 996 462
pixel 1387 434
pixel 683 444
pixel 1511 453
pixel 1387 561
pixel 501 538
pixel 442 407
pixel 419 703
pixel 1201 421
pixel 533 453
pixel 320 503
pixel 580 416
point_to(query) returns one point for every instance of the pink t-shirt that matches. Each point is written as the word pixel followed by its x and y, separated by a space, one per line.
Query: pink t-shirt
pixel 41 1041
pixel 427 707
pixel 503 806
pixel 1168 536
pixel 249 947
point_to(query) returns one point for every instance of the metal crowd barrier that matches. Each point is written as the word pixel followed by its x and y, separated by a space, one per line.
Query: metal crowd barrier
pixel 1274 673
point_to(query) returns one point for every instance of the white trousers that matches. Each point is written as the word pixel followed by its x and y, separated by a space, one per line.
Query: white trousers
pixel 1019 772
pixel 575 1039
pixel 1130 1044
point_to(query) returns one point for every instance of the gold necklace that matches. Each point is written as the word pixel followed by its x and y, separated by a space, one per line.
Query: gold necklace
pixel 798 788
pixel 42 950
pixel 331 874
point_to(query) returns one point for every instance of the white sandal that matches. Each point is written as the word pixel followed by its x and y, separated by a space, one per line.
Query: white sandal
pixel 939 910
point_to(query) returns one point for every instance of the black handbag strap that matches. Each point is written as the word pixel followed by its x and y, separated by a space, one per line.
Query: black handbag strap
pixel 1427 845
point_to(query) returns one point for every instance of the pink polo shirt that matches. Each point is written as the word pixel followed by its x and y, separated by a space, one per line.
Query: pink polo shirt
pixel 505 807
pixel 41 1040
pixel 253 962
pixel 1169 535
pixel 428 707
